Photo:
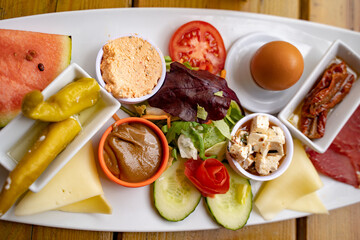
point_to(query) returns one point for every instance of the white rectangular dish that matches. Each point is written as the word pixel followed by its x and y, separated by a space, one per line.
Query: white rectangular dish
pixel 14 140
pixel 133 209
pixel 341 112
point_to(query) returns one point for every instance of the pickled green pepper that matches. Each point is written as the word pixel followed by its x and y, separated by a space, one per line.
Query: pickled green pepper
pixel 54 138
pixel 70 100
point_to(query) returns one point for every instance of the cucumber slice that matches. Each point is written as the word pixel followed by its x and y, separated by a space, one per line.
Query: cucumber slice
pixel 232 209
pixel 174 195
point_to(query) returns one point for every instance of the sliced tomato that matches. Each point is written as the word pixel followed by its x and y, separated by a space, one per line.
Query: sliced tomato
pixel 210 177
pixel 200 44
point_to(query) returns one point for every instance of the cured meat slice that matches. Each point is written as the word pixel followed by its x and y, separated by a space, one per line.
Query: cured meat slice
pixel 335 165
pixel 342 160
pixel 348 138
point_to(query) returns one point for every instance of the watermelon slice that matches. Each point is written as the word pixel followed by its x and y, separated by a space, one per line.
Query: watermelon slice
pixel 28 61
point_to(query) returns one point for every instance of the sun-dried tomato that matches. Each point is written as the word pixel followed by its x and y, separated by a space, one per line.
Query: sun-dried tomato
pixel 333 86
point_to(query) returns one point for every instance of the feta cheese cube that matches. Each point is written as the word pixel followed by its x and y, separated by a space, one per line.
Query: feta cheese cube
pixel 247 162
pixel 186 147
pixel 276 148
pixel 242 134
pixel 240 153
pixel 255 138
pixel 240 137
pixel 260 124
pixel 264 148
pixel 264 165
pixel 275 158
pixel 276 134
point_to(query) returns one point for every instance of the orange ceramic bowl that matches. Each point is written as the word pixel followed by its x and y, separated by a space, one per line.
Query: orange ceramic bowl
pixel 164 157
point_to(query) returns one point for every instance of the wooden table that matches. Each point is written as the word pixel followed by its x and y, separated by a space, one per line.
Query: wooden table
pixel 342 223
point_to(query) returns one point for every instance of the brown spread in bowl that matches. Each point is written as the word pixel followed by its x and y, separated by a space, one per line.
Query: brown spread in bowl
pixel 132 152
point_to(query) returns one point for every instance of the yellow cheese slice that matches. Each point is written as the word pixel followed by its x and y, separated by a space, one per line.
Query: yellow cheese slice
pixel 76 181
pixel 310 203
pixel 97 204
pixel 300 179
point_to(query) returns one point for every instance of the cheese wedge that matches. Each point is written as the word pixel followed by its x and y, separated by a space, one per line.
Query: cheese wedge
pixel 300 179
pixel 97 204
pixel 310 203
pixel 76 182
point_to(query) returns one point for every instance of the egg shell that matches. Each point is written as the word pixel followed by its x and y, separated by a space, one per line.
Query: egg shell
pixel 277 65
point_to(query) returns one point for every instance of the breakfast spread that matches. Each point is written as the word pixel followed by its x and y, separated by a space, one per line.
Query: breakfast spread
pixel 132 152
pixel 277 65
pixel 258 146
pixel 196 110
pixel 130 67
pixel 333 86
pixel 22 52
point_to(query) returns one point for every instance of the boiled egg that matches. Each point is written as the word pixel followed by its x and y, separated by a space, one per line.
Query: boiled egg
pixel 277 65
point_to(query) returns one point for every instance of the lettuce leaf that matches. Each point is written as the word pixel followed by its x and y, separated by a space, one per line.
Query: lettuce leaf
pixel 202 135
pixel 184 90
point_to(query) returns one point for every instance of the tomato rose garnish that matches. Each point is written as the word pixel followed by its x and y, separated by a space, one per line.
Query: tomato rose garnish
pixel 209 177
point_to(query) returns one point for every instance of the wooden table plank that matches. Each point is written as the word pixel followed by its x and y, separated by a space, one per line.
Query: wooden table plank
pixel 40 233
pixel 71 5
pixel 19 8
pixel 280 230
pixel 15 231
pixel 341 223
pixel 340 13
pixel 273 7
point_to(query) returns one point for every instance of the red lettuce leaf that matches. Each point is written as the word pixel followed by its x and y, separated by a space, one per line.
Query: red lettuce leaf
pixel 185 89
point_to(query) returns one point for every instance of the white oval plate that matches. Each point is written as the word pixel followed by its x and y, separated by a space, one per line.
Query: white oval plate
pixel 133 209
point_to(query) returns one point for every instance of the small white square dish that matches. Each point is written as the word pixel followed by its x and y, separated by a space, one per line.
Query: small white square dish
pixel 341 112
pixel 17 137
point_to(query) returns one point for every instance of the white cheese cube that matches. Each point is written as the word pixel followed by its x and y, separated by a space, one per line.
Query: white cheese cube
pixel 276 148
pixel 260 124
pixel 275 158
pixel 240 153
pixel 240 137
pixel 264 165
pixel 251 149
pixel 242 134
pixel 256 138
pixel 247 162
pixel 186 147
pixel 276 134
pixel 264 148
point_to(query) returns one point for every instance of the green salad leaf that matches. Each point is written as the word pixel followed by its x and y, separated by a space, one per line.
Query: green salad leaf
pixel 205 136
pixel 233 114
pixel 201 113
